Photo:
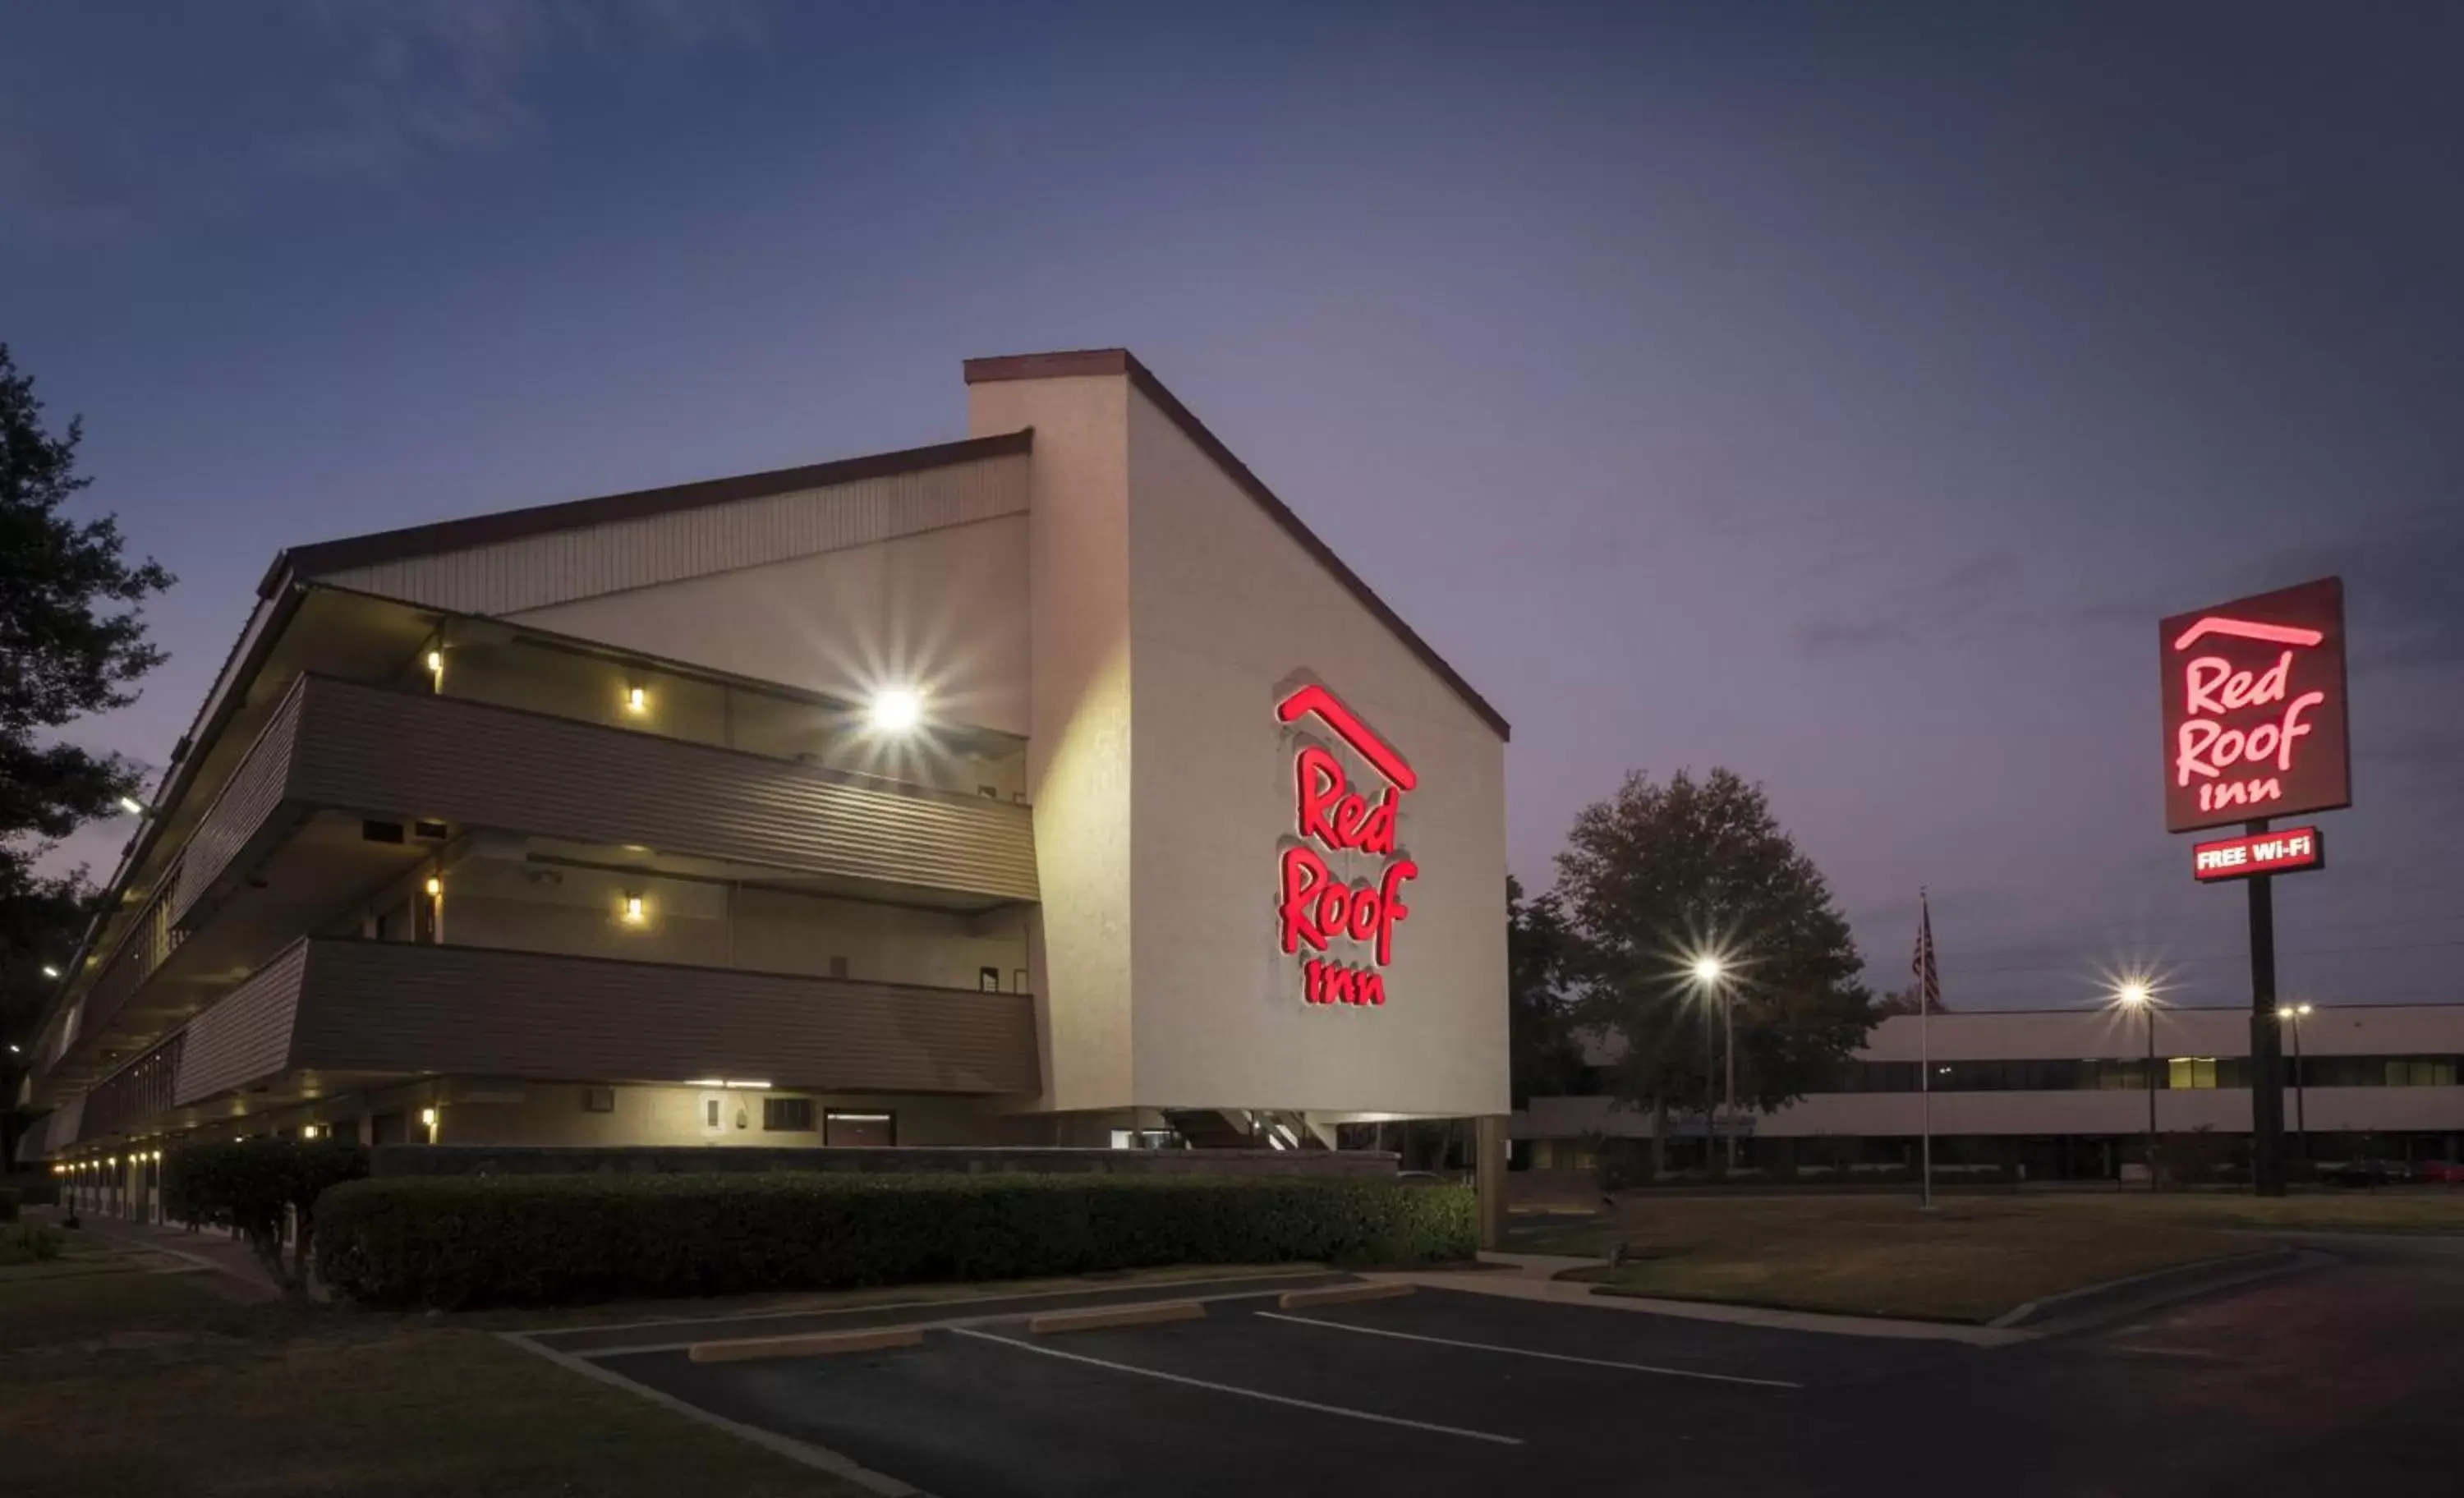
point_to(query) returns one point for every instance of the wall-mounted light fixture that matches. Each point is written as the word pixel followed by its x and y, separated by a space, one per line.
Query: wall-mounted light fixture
pixel 434 886
pixel 132 806
pixel 637 699
pixel 636 909
pixel 307 1131
pixel 49 971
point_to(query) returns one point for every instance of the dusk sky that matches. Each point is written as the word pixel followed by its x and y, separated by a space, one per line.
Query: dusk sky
pixel 1840 395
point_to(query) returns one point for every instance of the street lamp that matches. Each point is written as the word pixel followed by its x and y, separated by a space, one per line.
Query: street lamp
pixel 2293 1013
pixel 1711 974
pixel 2135 994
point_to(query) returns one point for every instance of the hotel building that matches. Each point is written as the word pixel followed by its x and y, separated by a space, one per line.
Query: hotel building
pixel 1052 787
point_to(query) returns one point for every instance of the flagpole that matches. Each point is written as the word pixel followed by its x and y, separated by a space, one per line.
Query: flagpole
pixel 1924 1040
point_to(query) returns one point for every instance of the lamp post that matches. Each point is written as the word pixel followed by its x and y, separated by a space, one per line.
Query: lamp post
pixel 2293 1013
pixel 1713 974
pixel 2137 995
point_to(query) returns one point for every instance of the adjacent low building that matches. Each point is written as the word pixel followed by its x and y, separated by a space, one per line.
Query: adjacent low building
pixel 1052 787
pixel 2065 1093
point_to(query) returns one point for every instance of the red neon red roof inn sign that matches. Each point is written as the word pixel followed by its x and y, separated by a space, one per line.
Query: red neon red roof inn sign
pixel 2254 709
pixel 1321 914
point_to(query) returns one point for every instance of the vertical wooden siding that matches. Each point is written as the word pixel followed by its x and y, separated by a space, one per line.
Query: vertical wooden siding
pixel 247 1034
pixel 392 1006
pixel 367 748
pixel 244 807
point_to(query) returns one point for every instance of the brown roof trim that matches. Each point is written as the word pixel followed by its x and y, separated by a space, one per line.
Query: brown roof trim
pixel 1121 361
pixel 1051 366
pixel 482 530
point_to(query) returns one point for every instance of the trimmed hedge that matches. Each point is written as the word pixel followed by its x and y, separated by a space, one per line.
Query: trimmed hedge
pixel 456 1241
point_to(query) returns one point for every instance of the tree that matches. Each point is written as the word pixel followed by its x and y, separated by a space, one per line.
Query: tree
pixel 1660 875
pixel 1545 1057
pixel 65 652
pixel 1904 1000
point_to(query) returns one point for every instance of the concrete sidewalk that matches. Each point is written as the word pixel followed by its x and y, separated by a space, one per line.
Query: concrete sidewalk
pixel 1530 1281
pixel 224 1262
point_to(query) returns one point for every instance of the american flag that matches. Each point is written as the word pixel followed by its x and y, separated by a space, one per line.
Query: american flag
pixel 1928 981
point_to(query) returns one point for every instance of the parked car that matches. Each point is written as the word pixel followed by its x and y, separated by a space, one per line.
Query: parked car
pixel 2445 1173
pixel 2370 1173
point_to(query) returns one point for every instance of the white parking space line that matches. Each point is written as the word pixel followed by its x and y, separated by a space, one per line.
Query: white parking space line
pixel 1524 1352
pixel 1247 1394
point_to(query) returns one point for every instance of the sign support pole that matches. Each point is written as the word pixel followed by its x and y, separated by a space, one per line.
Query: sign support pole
pixel 2266 1040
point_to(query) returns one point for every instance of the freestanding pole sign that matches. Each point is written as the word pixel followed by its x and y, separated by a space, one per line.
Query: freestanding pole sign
pixel 2256 728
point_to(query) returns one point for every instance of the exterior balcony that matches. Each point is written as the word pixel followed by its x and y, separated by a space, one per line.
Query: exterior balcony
pixel 331 1015
pixel 348 790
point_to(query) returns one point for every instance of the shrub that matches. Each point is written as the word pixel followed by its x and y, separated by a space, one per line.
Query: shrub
pixel 9 1199
pixel 29 1242
pixel 455 1242
pixel 255 1185
pixel 34 1190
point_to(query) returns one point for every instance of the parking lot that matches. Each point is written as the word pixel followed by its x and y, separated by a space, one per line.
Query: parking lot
pixel 1442 1391
pixel 2346 1365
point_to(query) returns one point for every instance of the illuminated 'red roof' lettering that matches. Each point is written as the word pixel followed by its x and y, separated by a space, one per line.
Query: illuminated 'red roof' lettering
pixel 2247 629
pixel 1318 910
pixel 1348 727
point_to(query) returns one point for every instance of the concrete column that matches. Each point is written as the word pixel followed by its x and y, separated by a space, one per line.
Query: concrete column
pixel 1489 1156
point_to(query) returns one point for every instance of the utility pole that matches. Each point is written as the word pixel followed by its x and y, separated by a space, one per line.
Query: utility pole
pixel 2266 1040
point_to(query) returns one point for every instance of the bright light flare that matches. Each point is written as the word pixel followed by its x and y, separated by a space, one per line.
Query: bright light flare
pixel 1709 969
pixel 896 710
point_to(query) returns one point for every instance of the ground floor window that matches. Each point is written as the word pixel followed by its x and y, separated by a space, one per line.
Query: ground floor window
pixel 788 1114
pixel 842 1127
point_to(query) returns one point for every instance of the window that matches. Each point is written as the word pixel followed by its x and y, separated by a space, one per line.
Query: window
pixel 598 1099
pixel 841 1128
pixel 710 1113
pixel 2421 1071
pixel 988 980
pixel 787 1115
pixel 2196 1073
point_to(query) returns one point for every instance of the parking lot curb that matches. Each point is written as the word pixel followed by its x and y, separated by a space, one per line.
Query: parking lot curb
pixel 1341 1294
pixel 2092 1305
pixel 811 1344
pixel 1106 1317
pixel 804 1453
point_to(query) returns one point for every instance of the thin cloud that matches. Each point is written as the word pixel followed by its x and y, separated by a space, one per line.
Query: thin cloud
pixel 1927 606
pixel 455 77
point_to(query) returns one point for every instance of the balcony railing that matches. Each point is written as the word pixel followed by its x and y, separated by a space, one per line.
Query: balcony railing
pixel 380 751
pixel 346 1008
pixel 333 744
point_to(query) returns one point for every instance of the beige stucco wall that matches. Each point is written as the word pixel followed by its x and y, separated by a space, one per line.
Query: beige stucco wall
pixel 1079 718
pixel 946 609
pixel 2372 1031
pixel 1229 612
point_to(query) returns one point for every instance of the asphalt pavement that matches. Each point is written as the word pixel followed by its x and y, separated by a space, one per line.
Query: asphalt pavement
pixel 2340 1378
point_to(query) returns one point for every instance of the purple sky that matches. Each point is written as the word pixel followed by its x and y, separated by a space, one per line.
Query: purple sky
pixel 1837 395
